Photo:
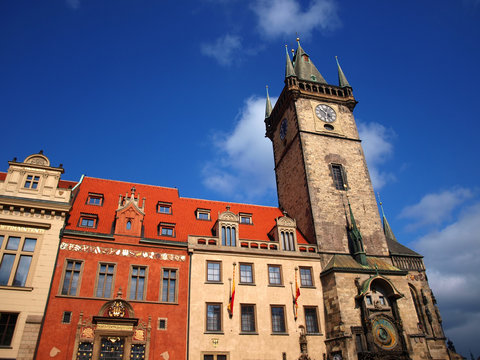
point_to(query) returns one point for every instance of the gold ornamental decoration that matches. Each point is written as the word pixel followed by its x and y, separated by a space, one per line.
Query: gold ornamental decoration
pixel 117 309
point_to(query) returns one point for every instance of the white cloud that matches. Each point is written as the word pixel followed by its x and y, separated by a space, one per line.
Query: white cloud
pixel 286 17
pixel 452 260
pixel 377 147
pixel 244 165
pixel 435 208
pixel 74 4
pixel 223 50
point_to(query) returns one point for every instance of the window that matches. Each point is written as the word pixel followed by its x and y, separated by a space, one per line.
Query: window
pixel 288 241
pixel 166 229
pixel 95 199
pixel 214 271
pixel 85 350
pixel 137 351
pixel 137 282
pixel 105 280
pixel 278 319
pixel 306 276
pixel 246 219
pixel 247 318
pixel 17 255
pixel 214 356
pixel 162 323
pixel 274 275
pixel 229 236
pixel 129 225
pixel 311 320
pixel 88 220
pixel 67 317
pixel 368 299
pixel 31 182
pixel 169 285
pixel 164 208
pixel 246 273
pixel 71 277
pixel 203 214
pixel 339 177
pixel 7 326
pixel 214 317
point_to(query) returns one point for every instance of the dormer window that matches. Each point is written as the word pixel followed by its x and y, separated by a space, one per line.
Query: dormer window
pixel 88 221
pixel 203 214
pixel 165 229
pixel 229 236
pixel 95 199
pixel 31 182
pixel 246 218
pixel 288 240
pixel 164 208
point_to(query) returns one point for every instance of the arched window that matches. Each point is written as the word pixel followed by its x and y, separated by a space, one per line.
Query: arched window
pixel 229 236
pixel 288 242
pixel 129 225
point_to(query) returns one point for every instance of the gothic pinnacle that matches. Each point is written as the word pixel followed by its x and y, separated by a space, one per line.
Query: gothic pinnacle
pixel 342 80
pixel 268 106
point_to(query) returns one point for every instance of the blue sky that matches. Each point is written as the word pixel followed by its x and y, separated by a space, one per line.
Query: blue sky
pixel 172 94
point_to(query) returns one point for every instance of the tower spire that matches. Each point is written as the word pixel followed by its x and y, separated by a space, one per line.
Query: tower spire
pixel 342 79
pixel 289 67
pixel 356 238
pixel 268 106
pixel 304 67
pixel 387 230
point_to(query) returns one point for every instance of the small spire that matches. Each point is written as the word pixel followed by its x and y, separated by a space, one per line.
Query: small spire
pixel 356 238
pixel 289 67
pixel 304 67
pixel 387 230
pixel 268 106
pixel 342 80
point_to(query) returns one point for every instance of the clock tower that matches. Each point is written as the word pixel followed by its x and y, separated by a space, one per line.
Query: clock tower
pixel 319 161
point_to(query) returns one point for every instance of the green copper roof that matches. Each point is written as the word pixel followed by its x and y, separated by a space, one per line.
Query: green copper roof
pixel 387 230
pixel 344 262
pixel 268 106
pixel 356 237
pixel 289 67
pixel 342 80
pixel 304 67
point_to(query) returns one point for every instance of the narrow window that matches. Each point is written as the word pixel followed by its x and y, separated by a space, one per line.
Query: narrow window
pixel 368 300
pixel 247 318
pixel 213 271
pixel 306 276
pixel 339 177
pixel 67 317
pixel 162 323
pixel 7 327
pixel 228 236
pixel 246 273
pixel 105 280
pixel 129 225
pixel 169 285
pixel 311 320
pixel 31 182
pixel 71 277
pixel 288 241
pixel 137 282
pixel 214 317
pixel 278 319
pixel 274 275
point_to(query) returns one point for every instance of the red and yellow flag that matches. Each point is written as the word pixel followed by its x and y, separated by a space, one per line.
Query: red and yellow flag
pixel 232 294
pixel 297 295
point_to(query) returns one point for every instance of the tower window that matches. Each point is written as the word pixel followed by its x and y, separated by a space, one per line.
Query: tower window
pixel 339 177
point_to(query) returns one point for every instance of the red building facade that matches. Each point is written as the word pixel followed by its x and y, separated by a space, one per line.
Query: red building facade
pixel 120 284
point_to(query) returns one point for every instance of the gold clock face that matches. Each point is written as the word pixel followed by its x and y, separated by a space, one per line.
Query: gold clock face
pixel 325 113
pixel 384 333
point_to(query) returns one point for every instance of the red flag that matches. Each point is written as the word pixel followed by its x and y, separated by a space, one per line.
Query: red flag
pixel 297 295
pixel 232 294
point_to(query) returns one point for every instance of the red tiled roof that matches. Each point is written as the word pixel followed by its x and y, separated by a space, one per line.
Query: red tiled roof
pixel 183 211
pixel 3 176
pixel 66 184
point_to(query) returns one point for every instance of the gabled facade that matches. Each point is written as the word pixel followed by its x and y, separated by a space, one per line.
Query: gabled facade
pixel 34 203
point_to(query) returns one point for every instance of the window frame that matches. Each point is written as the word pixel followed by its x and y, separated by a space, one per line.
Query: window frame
pixel 160 319
pixel 317 322
pixel 279 267
pixel 200 211
pixel 34 181
pixel 254 319
pixel 220 320
pixel 112 287
pixel 177 275
pixel 339 178
pixel 84 216
pixel 245 216
pixel 166 226
pixel 145 282
pixel 79 279
pixel 97 196
pixel 4 332
pixel 252 274
pixel 288 240
pixel 18 254
pixel 67 314
pixel 302 284
pixel 164 205
pixel 215 355
pixel 220 272
pixel 284 318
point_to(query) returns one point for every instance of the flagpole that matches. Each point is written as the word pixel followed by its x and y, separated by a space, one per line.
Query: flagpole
pixel 232 294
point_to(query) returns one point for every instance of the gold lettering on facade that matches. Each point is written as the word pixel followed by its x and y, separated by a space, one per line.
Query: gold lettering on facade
pixel 21 228
pixel 114 327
